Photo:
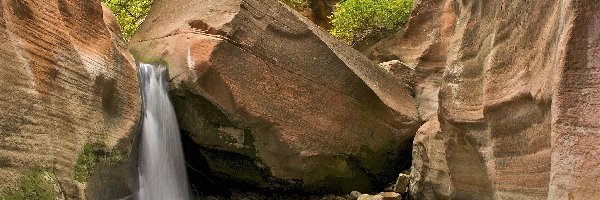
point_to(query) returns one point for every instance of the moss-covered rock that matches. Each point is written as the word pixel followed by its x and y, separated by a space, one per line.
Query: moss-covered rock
pixel 87 160
pixel 105 172
pixel 38 184
pixel 91 156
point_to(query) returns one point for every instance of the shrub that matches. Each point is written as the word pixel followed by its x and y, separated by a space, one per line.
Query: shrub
pixel 357 17
pixel 129 13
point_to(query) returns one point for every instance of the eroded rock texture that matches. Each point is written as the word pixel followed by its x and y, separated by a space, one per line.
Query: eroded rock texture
pixel 66 81
pixel 422 45
pixel 275 101
pixel 576 106
pixel 518 103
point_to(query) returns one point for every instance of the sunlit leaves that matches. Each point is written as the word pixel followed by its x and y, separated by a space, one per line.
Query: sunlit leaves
pixel 354 16
pixel 129 13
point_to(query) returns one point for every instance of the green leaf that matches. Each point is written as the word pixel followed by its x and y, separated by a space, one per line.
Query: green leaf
pixel 129 13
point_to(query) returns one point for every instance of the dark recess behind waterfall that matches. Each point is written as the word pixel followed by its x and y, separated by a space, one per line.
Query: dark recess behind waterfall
pixel 204 182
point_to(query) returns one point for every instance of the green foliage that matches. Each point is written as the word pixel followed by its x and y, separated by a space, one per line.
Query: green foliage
pixel 294 3
pixel 37 184
pixel 298 5
pixel 355 17
pixel 129 13
pixel 87 160
pixel 92 154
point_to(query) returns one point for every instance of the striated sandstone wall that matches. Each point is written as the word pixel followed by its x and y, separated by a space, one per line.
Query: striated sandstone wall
pixel 518 116
pixel 422 45
pixel 66 81
pixel 575 139
pixel 518 103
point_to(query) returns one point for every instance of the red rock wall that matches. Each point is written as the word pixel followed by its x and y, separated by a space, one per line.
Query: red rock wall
pixel 516 103
pixel 66 80
pixel 423 45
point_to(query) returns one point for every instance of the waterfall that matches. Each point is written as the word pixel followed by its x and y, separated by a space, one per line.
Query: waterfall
pixel 161 165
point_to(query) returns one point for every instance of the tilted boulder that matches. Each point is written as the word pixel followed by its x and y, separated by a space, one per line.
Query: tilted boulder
pixel 276 102
pixel 66 81
pixel 403 72
pixel 518 115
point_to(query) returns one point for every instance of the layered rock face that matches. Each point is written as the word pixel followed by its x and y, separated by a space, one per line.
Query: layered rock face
pixel 422 45
pixel 274 101
pixel 66 81
pixel 518 115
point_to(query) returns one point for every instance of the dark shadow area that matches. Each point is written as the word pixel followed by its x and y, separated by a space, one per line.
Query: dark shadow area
pixel 201 182
pixel 206 183
pixel 112 177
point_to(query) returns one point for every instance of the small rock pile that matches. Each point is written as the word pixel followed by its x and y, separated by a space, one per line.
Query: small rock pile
pixel 394 192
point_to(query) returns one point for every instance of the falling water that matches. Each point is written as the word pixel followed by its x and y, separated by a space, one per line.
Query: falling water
pixel 161 166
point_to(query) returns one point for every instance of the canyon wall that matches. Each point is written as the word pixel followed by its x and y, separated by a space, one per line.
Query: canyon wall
pixel 66 81
pixel 518 98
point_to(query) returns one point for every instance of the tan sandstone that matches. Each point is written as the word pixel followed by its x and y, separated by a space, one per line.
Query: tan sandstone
pixel 66 81
pixel 518 103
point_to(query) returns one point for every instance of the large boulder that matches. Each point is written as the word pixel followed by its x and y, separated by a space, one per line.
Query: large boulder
pixel 518 115
pixel 274 101
pixel 66 81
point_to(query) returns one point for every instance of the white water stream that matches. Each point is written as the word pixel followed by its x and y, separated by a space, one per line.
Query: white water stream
pixel 162 174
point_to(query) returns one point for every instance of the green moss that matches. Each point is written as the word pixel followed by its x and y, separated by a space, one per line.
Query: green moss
pixel 91 156
pixel 37 184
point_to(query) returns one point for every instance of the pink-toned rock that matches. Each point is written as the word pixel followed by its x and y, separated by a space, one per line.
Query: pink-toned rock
pixel 275 101
pixel 430 178
pixel 518 114
pixel 422 45
pixel 66 81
